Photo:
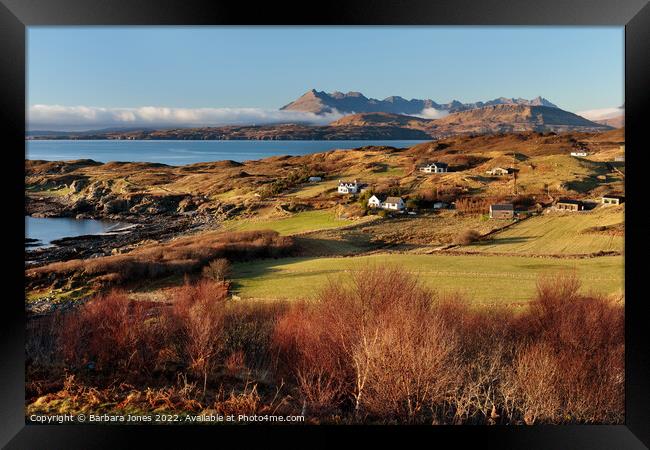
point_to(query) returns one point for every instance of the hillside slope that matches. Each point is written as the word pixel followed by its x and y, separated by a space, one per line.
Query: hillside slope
pixel 485 120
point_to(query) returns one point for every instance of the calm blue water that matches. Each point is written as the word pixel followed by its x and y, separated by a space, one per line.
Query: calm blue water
pixel 178 153
pixel 48 229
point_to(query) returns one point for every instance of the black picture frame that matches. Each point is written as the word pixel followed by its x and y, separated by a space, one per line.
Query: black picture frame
pixel 16 15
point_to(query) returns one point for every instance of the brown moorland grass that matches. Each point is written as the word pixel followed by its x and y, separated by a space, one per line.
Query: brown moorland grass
pixel 177 257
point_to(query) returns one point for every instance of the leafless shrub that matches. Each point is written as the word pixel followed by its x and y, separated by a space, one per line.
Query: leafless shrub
pixel 199 312
pixel 571 367
pixel 217 270
pixel 366 343
pixel 467 237
pixel 110 333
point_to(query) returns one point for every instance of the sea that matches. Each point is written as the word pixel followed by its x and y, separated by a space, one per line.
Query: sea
pixel 178 153
pixel 47 229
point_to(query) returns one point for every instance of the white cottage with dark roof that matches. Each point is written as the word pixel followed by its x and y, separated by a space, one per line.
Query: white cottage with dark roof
pixel 434 167
pixel 348 187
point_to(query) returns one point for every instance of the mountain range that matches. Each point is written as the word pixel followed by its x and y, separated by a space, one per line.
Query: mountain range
pixel 502 118
pixel 368 119
pixel 319 102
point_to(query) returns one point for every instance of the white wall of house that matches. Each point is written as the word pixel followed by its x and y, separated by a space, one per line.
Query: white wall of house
pixel 348 188
pixel 374 202
pixel 433 169
pixel 393 206
pixel 610 201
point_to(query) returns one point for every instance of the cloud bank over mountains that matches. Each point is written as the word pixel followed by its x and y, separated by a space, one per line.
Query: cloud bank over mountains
pixel 73 118
pixel 432 113
pixel 79 118
pixel 602 114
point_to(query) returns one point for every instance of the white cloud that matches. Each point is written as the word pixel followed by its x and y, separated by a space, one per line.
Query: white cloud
pixel 57 117
pixel 431 113
pixel 601 114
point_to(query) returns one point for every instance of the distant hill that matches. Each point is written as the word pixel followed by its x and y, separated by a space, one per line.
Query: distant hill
pixel 48 133
pixel 513 118
pixel 504 118
pixel 616 122
pixel 319 102
pixel 382 119
pixel 286 132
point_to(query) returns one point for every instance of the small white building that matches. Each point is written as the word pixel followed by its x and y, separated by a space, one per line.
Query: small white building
pixel 434 167
pixel 612 199
pixel 315 179
pixel 348 187
pixel 389 203
pixel 375 201
pixel 393 203
pixel 502 211
pixel 440 205
pixel 579 154
pixel 498 171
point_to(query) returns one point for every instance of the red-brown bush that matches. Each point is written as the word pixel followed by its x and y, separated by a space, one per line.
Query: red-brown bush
pixel 111 334
pixel 571 366
pixel 468 236
pixel 197 323
pixel 363 345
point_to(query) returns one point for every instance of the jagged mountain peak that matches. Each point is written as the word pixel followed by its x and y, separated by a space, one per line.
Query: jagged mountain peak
pixel 320 102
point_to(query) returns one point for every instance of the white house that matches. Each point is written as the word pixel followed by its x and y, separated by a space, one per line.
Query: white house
pixel 315 179
pixel 612 199
pixel 434 167
pixel 581 153
pixel 498 171
pixel 375 201
pixel 390 203
pixel 393 203
pixel 348 187
pixel 440 205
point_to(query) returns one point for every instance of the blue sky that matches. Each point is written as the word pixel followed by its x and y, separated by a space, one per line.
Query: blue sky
pixel 578 68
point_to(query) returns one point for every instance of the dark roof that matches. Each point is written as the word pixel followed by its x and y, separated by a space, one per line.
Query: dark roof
pixel 440 164
pixel 570 202
pixel 393 199
pixel 502 207
pixel 620 197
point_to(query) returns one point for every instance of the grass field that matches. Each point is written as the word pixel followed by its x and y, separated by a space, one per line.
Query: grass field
pixel 485 280
pixel 309 190
pixel 557 234
pixel 296 223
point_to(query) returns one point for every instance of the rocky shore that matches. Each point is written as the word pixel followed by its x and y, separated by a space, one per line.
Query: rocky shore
pixel 148 219
pixel 111 243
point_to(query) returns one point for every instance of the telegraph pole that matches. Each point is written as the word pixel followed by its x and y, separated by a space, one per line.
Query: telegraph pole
pixel 514 172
